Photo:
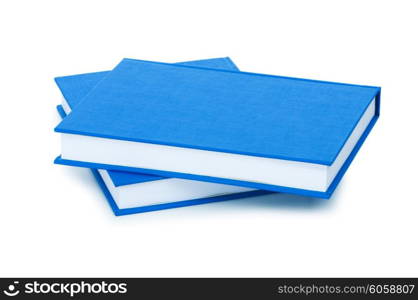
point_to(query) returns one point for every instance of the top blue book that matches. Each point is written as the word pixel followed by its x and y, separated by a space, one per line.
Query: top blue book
pixel 293 125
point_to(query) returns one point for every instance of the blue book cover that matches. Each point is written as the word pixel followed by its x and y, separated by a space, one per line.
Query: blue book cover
pixel 161 192
pixel 252 130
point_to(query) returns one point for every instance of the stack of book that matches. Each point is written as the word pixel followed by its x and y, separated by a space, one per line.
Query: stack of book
pixel 159 135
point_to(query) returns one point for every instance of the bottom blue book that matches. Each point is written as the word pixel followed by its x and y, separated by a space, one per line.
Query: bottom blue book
pixel 130 193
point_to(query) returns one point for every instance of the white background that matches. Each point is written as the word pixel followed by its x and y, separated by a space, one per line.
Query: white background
pixel 54 220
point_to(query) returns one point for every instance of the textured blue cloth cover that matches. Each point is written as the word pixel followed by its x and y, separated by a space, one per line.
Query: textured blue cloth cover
pixel 221 110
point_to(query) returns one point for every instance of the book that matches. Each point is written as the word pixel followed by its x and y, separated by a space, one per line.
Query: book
pixel 129 193
pixel 252 130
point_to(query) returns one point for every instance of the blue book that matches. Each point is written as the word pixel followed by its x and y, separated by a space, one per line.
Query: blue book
pixel 252 130
pixel 129 192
